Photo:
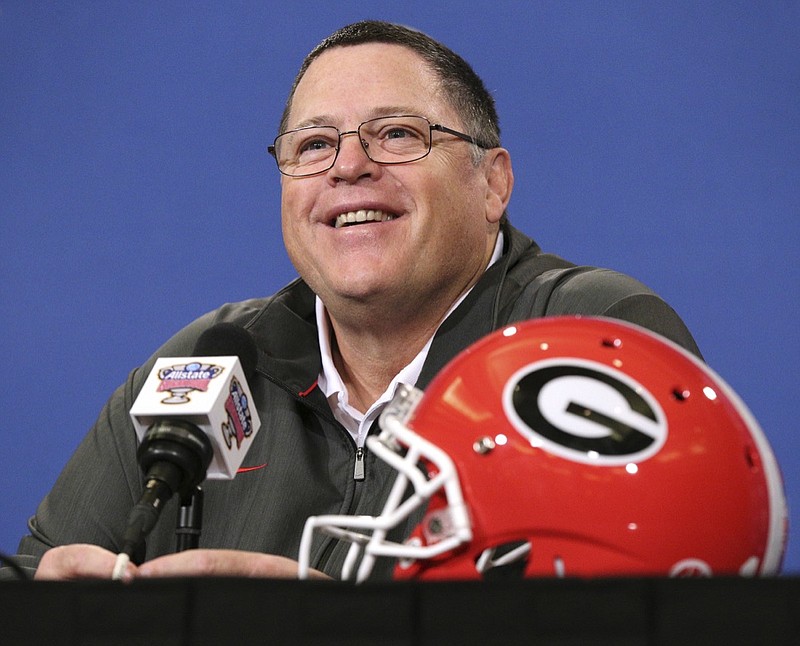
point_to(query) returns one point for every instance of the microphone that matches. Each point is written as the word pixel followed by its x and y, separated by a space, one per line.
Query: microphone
pixel 194 420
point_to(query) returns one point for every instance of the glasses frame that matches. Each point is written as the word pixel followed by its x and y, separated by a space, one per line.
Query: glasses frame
pixel 365 146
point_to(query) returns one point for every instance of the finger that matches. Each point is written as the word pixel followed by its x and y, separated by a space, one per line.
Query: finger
pixel 221 563
pixel 78 561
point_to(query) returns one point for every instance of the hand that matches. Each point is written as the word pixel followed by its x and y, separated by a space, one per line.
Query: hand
pixel 203 562
pixel 79 561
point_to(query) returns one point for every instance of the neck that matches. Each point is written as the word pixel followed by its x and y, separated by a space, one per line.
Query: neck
pixel 367 359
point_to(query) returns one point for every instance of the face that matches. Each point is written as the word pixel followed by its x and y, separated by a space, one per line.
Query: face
pixel 438 216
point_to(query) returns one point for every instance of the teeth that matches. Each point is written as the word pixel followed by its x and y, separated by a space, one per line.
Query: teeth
pixel 363 215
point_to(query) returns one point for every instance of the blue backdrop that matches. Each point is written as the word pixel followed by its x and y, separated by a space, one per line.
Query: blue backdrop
pixel 660 139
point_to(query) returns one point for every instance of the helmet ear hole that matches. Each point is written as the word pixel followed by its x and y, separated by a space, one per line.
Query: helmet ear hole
pixel 504 562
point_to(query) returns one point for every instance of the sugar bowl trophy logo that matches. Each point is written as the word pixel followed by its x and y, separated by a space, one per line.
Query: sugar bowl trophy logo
pixel 239 424
pixel 180 380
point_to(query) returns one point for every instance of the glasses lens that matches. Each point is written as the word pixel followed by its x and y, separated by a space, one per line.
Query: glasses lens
pixel 307 150
pixel 394 140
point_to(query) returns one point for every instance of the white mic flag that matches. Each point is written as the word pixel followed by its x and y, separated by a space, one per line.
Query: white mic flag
pixel 210 392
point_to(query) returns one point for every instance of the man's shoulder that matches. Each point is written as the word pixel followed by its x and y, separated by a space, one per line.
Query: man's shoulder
pixel 283 312
pixel 539 284
pixel 547 284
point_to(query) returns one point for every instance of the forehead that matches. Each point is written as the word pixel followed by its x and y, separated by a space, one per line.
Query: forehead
pixel 354 83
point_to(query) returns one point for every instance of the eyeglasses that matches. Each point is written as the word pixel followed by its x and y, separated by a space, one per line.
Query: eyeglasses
pixel 385 140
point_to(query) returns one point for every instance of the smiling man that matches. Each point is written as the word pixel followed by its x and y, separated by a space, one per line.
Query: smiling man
pixel 394 196
pixel 388 281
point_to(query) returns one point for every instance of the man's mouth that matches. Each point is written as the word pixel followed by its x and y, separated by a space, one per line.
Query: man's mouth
pixel 362 215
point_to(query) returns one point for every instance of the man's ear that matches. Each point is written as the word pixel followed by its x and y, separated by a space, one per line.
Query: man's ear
pixel 499 183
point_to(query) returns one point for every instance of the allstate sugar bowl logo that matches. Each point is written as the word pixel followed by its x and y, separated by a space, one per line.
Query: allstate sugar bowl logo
pixel 182 379
pixel 240 423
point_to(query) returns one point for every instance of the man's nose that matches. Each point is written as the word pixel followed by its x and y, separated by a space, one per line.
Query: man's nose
pixel 352 159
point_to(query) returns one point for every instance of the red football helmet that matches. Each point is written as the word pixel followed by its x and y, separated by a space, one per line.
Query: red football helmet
pixel 573 447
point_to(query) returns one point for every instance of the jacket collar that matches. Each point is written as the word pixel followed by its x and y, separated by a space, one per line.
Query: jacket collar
pixel 478 314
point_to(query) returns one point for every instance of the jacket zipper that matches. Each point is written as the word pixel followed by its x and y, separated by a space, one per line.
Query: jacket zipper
pixel 359 475
pixel 358 470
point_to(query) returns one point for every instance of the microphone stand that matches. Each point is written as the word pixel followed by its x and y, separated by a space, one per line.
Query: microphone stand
pixel 190 520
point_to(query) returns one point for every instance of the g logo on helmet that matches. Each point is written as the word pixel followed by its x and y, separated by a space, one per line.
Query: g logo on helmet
pixel 585 411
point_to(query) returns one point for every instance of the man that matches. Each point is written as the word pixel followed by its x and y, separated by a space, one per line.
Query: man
pixel 394 196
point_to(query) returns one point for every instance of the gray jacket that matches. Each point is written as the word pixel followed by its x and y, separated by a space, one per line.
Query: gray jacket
pixel 305 459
